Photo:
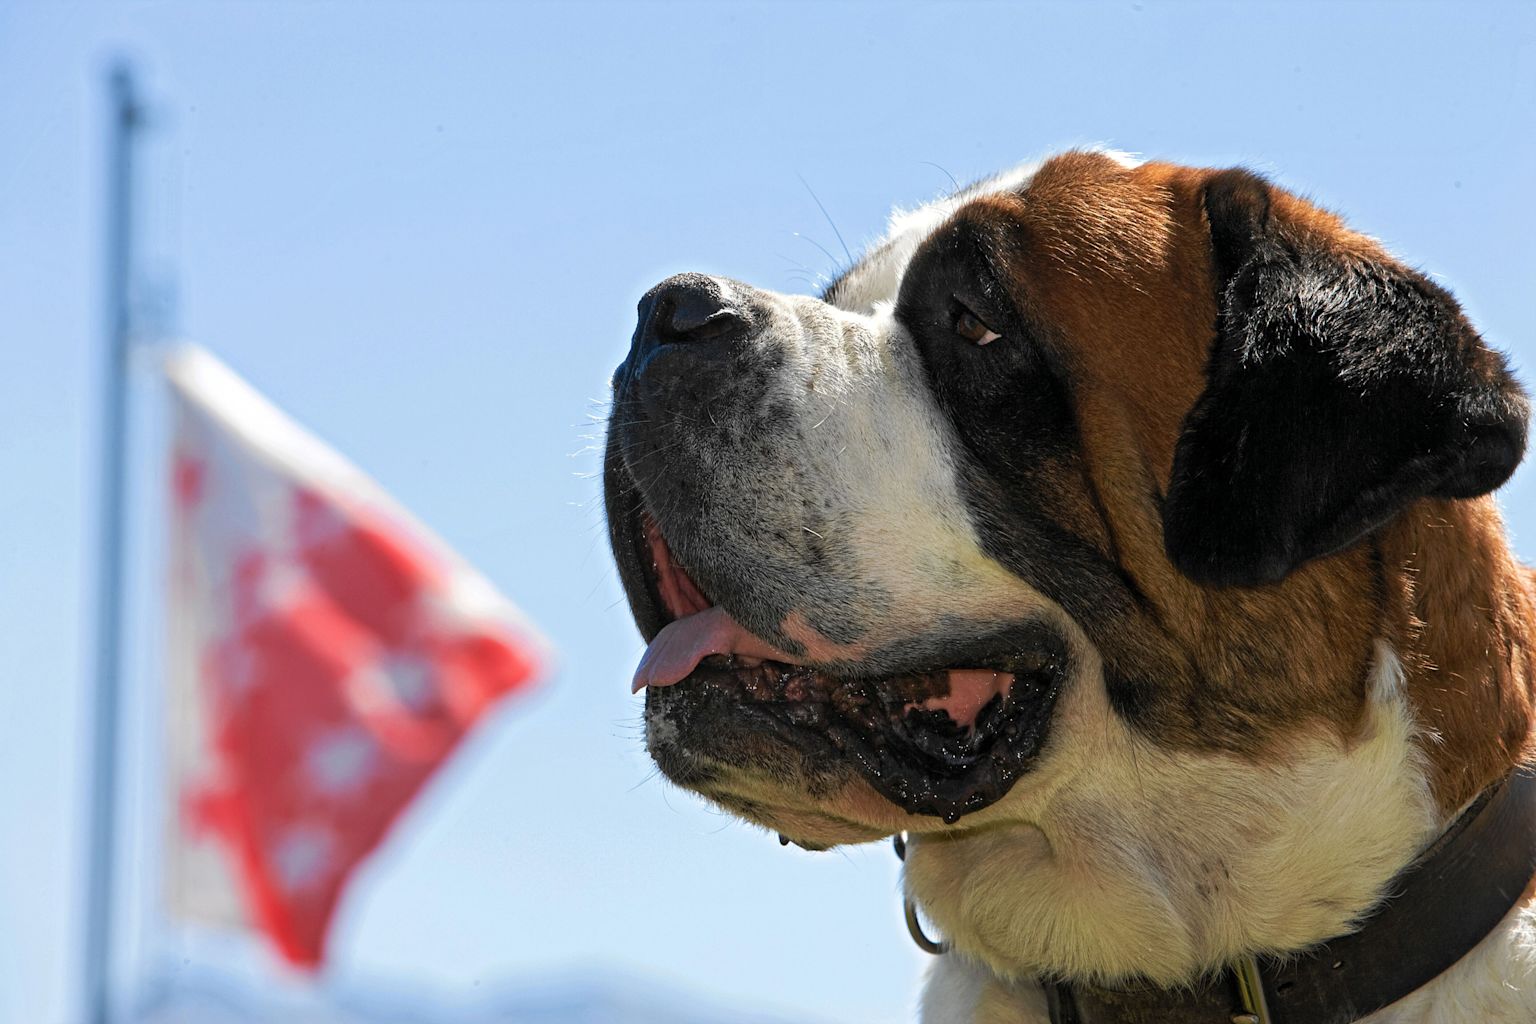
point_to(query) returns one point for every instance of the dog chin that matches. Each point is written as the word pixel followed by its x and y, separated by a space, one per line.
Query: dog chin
pixel 809 817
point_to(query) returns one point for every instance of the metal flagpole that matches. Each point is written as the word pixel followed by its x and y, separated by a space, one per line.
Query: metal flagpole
pixel 102 835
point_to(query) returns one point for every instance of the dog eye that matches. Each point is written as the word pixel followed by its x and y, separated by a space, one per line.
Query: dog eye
pixel 970 327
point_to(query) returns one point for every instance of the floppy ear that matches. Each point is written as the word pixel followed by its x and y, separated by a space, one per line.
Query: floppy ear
pixel 1340 387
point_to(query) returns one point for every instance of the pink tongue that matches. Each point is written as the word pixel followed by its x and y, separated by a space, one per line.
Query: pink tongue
pixel 682 644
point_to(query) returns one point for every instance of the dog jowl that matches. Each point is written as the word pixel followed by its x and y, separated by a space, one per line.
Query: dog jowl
pixel 1089 497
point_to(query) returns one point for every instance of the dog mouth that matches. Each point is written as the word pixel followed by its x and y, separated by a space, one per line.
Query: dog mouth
pixel 946 740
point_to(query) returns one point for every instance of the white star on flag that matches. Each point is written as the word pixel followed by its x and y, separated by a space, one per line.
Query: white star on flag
pixel 340 761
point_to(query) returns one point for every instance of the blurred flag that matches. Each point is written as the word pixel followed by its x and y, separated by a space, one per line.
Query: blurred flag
pixel 326 654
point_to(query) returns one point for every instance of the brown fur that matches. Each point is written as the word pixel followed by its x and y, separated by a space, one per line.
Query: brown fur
pixel 1465 610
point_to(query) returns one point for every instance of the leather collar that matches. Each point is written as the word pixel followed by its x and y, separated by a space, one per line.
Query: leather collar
pixel 1440 907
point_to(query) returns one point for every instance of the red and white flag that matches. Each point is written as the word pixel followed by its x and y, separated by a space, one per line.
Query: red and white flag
pixel 326 654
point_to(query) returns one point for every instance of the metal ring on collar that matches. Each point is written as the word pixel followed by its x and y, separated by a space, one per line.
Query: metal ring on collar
pixel 909 908
pixel 915 928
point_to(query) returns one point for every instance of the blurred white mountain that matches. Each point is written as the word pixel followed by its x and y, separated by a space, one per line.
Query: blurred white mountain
pixel 597 998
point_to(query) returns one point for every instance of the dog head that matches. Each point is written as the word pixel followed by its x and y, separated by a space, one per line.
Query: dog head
pixel 1092 453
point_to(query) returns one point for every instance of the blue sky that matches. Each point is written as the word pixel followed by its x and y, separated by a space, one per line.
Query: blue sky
pixel 423 229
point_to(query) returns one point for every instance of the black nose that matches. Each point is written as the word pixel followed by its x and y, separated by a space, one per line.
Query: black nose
pixel 691 308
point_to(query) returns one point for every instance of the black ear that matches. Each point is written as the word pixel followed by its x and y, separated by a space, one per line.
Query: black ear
pixel 1340 387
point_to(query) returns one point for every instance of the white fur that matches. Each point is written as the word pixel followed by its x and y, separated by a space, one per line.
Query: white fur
pixel 959 990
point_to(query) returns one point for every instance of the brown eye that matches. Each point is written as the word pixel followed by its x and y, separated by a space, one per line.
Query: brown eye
pixel 970 327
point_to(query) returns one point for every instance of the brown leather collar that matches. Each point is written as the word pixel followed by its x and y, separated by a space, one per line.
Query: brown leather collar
pixel 1440 907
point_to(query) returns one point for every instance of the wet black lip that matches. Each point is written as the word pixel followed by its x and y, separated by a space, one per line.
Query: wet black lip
pixel 920 760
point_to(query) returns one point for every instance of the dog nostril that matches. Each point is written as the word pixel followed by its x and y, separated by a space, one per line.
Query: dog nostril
pixel 694 308
pixel 689 320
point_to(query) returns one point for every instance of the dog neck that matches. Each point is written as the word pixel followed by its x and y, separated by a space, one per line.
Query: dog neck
pixel 1141 862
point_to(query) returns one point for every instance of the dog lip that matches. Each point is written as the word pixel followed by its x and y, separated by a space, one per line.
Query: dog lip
pixel 917 757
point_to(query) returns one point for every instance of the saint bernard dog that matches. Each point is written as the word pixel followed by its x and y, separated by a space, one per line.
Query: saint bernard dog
pixel 1120 534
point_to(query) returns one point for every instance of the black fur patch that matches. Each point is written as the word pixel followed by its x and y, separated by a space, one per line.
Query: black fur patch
pixel 1338 390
